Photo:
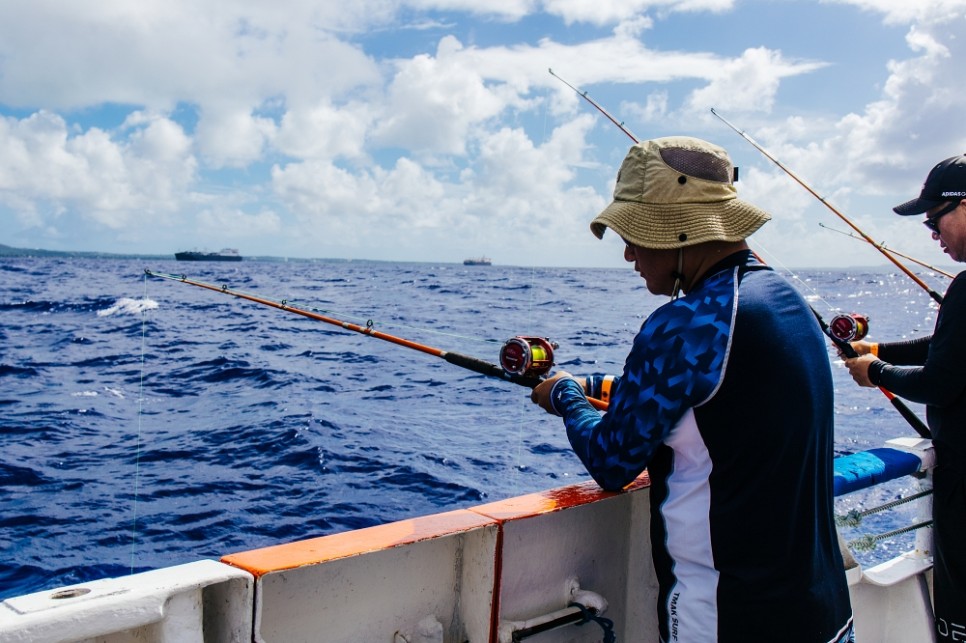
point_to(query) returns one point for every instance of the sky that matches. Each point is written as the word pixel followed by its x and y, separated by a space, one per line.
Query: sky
pixel 432 130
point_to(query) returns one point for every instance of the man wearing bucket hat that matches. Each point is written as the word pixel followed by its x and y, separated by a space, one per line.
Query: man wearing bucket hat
pixel 739 455
pixel 929 370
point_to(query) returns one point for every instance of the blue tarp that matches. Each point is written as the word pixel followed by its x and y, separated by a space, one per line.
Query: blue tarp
pixel 867 468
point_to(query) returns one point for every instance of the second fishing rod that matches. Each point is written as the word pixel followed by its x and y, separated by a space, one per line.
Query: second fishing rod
pixel 844 328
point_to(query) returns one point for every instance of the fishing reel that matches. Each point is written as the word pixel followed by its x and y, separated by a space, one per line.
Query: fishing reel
pixel 849 328
pixel 527 356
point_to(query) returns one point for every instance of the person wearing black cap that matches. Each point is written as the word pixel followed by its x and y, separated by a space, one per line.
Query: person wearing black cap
pixel 929 370
pixel 740 461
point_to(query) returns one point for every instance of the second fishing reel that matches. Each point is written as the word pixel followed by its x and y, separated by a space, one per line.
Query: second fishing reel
pixel 526 356
pixel 849 328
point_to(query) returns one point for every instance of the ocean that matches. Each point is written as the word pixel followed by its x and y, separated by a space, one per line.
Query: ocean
pixel 147 423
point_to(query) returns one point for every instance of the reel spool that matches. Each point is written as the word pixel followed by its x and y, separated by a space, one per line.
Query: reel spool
pixel 849 328
pixel 527 356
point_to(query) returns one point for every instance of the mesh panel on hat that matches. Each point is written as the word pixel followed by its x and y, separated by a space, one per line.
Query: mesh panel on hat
pixel 697 163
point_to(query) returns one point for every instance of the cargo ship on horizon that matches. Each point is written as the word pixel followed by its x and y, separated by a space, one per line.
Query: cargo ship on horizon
pixel 225 254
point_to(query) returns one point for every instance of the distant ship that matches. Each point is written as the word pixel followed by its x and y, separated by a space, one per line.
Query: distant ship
pixel 226 254
pixel 479 261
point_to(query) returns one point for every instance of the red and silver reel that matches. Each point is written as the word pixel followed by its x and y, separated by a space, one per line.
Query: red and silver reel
pixel 849 328
pixel 527 356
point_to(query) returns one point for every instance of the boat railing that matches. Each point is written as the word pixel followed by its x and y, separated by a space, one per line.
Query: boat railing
pixel 891 600
pixel 507 570
pixel 900 457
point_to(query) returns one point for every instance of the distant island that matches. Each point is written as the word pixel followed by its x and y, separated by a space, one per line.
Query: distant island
pixel 10 251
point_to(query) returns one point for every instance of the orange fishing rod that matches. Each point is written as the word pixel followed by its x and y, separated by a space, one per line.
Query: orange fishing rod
pixel 842 344
pixel 882 246
pixel 523 359
pixel 846 349
pixel 932 293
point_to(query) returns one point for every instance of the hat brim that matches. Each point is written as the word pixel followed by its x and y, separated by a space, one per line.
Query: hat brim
pixel 916 206
pixel 668 226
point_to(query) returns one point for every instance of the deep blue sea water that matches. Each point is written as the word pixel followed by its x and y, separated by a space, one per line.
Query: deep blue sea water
pixel 147 423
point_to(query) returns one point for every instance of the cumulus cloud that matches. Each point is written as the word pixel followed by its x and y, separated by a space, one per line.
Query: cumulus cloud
pixel 902 13
pixel 748 83
pixel 434 102
pixel 383 123
pixel 233 223
pixel 324 131
pixel 603 12
pixel 511 184
pixel 866 161
pixel 913 124
pixel 107 181
pixel 232 136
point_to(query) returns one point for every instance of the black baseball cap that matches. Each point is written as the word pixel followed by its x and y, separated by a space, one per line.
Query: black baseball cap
pixel 946 182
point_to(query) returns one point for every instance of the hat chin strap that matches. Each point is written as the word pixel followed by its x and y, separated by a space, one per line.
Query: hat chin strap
pixel 678 275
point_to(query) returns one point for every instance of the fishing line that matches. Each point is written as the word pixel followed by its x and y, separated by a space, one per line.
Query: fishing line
pixel 524 415
pixel 845 348
pixel 137 455
pixel 390 324
pixel 772 259
pixel 882 246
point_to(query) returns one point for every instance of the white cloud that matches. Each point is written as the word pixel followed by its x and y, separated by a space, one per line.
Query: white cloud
pixel 43 167
pixel 905 12
pixel 748 83
pixel 511 190
pixel 232 136
pixel 915 123
pixel 505 9
pixel 233 224
pixel 324 131
pixel 433 103
pixel 603 12
pixel 155 53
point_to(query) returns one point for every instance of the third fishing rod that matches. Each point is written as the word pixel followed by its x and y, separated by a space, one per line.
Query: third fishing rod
pixel 932 293
pixel 882 246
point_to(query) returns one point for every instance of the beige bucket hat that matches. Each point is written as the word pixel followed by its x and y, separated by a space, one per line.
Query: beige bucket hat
pixel 677 191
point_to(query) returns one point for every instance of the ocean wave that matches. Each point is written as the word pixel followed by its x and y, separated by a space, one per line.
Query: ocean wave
pixel 18 371
pixel 128 306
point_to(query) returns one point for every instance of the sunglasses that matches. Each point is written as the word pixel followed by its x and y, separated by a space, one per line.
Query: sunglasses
pixel 933 222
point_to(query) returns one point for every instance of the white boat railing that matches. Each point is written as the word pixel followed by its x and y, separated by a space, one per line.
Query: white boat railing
pixel 502 571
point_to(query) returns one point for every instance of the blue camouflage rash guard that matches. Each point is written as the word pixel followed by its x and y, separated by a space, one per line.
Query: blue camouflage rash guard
pixel 726 398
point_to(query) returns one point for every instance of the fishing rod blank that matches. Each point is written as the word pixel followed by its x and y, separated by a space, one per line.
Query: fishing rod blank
pixel 882 246
pixel 525 359
pixel 932 293
pixel 846 349
pixel 600 109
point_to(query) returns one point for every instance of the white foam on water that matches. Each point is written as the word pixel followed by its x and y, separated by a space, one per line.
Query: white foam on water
pixel 128 306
